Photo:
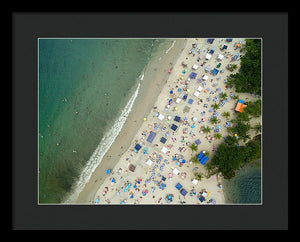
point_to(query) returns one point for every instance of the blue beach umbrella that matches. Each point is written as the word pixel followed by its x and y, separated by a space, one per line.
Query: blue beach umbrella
pixel 171 92
pixel 107 171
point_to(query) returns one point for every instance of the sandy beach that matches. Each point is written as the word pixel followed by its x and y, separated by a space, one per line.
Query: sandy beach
pixel 156 173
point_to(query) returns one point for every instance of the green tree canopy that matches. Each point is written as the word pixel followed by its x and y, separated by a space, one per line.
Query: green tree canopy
pixel 248 79
pixel 254 108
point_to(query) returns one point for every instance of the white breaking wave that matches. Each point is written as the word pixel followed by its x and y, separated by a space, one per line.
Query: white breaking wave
pixel 170 47
pixel 142 76
pixel 102 148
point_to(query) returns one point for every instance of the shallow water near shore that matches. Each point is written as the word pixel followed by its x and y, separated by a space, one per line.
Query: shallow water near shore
pixel 245 187
pixel 84 85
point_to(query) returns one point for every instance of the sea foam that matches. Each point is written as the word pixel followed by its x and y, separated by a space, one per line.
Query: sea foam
pixel 102 148
pixel 170 47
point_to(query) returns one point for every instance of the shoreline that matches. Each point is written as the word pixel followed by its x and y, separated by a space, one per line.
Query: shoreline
pixel 141 108
pixel 148 103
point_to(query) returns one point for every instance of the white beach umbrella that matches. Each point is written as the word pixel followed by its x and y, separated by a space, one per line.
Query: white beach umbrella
pixel 195 67
pixel 196 93
pixel 200 89
pixel 161 117
pixel 208 56
pixel 164 150
pixel 176 171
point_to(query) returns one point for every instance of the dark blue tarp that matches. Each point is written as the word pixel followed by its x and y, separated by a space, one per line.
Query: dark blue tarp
pixel 163 140
pixel 193 75
pixel 183 192
pixel 185 97
pixel 210 40
pixel 201 198
pixel 174 127
pixel 151 137
pixel 178 186
pixel 224 47
pixel 228 40
pixel 138 147
pixel 177 118
pixel 211 52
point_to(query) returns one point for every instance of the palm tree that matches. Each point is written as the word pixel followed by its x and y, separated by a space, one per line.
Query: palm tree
pixel 216 106
pixel 223 95
pixel 206 130
pixel 214 120
pixel 257 128
pixel 226 114
pixel 194 147
pixel 233 67
pixel 236 97
pixel 218 136
pixel 199 176
pixel 195 159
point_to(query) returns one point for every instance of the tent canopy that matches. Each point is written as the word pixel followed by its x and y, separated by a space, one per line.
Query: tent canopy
pixel 240 107
pixel 190 101
pixel 186 109
pixel 193 75
pixel 178 100
pixel 215 71
pixel 195 66
pixel 177 118
pixel 178 186
pixel 151 136
pixel 164 150
pixel 201 198
pixel 176 172
pixel 149 162
pixel 183 192
pixel 208 56
pixel 174 127
pixel 220 57
pixel 161 117
pixel 210 40
pixel 163 140
pixel 197 93
pixel 205 77
pixel 198 142
pixel 138 147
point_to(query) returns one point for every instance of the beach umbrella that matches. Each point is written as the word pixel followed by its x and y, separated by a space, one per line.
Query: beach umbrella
pixel 107 171
pixel 145 119
pixel 217 130
pixel 97 200
pixel 171 92
pixel 179 89
pixel 188 90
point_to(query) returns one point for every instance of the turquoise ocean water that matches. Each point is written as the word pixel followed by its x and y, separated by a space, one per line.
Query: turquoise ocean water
pixel 84 84
pixel 246 186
